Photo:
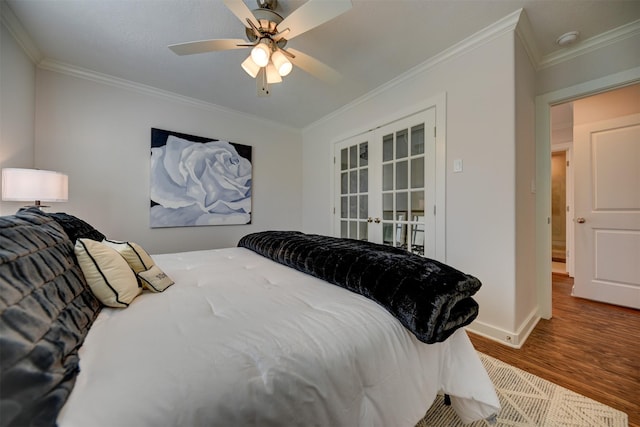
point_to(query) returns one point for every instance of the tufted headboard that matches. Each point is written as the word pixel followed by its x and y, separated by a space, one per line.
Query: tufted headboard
pixel 46 310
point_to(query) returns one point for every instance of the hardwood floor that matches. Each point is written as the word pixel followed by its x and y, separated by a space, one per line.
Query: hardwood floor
pixel 588 347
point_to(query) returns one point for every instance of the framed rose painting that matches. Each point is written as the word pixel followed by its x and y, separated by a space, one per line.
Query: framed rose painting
pixel 198 181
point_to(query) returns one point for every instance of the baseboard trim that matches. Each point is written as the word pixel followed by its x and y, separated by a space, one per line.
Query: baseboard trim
pixel 511 339
pixel 493 333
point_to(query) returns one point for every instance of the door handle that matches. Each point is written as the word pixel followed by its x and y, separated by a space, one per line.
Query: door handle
pixel 377 220
pixel 369 219
pixel 581 220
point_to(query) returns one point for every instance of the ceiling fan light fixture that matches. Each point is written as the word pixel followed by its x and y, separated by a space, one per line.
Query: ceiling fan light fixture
pixel 268 57
pixel 272 74
pixel 261 53
pixel 282 64
pixel 250 67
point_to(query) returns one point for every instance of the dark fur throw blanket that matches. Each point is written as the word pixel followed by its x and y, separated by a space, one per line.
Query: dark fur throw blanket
pixel 429 298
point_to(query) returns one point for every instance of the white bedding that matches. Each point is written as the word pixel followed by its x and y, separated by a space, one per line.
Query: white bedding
pixel 240 340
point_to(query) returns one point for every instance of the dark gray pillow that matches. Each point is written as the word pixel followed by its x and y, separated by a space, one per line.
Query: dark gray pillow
pixel 76 228
pixel 46 310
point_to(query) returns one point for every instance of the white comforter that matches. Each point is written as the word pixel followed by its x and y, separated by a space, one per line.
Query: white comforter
pixel 242 341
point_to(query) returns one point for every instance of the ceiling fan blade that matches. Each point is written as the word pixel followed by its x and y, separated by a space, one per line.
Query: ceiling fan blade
pixel 253 27
pixel 204 46
pixel 238 8
pixel 282 34
pixel 311 14
pixel 314 67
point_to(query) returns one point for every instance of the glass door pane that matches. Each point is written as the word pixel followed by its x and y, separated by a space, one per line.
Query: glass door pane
pixel 353 209
pixel 403 185
pixel 385 185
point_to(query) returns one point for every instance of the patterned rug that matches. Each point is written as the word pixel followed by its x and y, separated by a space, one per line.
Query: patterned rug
pixel 528 400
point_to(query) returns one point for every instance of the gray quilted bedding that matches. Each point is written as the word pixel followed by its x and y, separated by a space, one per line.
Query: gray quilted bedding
pixel 46 310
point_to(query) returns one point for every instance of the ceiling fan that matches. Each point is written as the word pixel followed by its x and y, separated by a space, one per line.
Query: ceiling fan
pixel 267 34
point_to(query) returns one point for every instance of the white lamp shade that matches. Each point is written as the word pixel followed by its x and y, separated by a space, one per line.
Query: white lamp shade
pixel 272 74
pixel 260 54
pixel 24 185
pixel 250 67
pixel 282 64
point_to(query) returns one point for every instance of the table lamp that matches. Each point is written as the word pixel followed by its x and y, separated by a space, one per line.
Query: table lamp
pixel 34 185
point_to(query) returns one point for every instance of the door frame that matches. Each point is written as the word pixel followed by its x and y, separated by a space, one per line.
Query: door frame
pixel 439 102
pixel 543 171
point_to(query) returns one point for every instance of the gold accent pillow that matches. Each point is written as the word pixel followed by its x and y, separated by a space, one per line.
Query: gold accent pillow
pixel 137 258
pixel 107 273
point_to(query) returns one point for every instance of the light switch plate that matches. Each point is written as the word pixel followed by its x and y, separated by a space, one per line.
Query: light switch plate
pixel 457 165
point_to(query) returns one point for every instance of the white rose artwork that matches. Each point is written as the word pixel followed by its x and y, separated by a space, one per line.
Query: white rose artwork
pixel 198 183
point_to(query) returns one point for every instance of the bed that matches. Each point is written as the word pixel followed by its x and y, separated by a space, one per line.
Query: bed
pixel 242 337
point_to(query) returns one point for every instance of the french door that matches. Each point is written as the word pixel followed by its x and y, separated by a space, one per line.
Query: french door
pixel 385 185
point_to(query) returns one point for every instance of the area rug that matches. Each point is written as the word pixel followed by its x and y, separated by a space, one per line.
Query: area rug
pixel 528 400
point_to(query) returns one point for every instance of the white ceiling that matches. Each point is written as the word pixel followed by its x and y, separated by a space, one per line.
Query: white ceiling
pixel 371 44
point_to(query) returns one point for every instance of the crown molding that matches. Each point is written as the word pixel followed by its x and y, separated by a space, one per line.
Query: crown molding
pixel 497 29
pixel 607 38
pixel 524 31
pixel 15 28
pixel 94 76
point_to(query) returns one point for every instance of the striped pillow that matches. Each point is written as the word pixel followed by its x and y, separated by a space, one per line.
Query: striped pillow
pixel 149 274
pixel 109 276
pixel 137 258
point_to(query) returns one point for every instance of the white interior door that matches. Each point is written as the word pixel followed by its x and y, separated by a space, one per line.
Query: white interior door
pixel 607 211
pixel 386 185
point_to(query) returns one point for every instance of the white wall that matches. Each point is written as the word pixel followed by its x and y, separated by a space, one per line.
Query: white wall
pixel 99 134
pixel 17 109
pixel 496 226
pixel 608 105
pixel 526 303
pixel 480 202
